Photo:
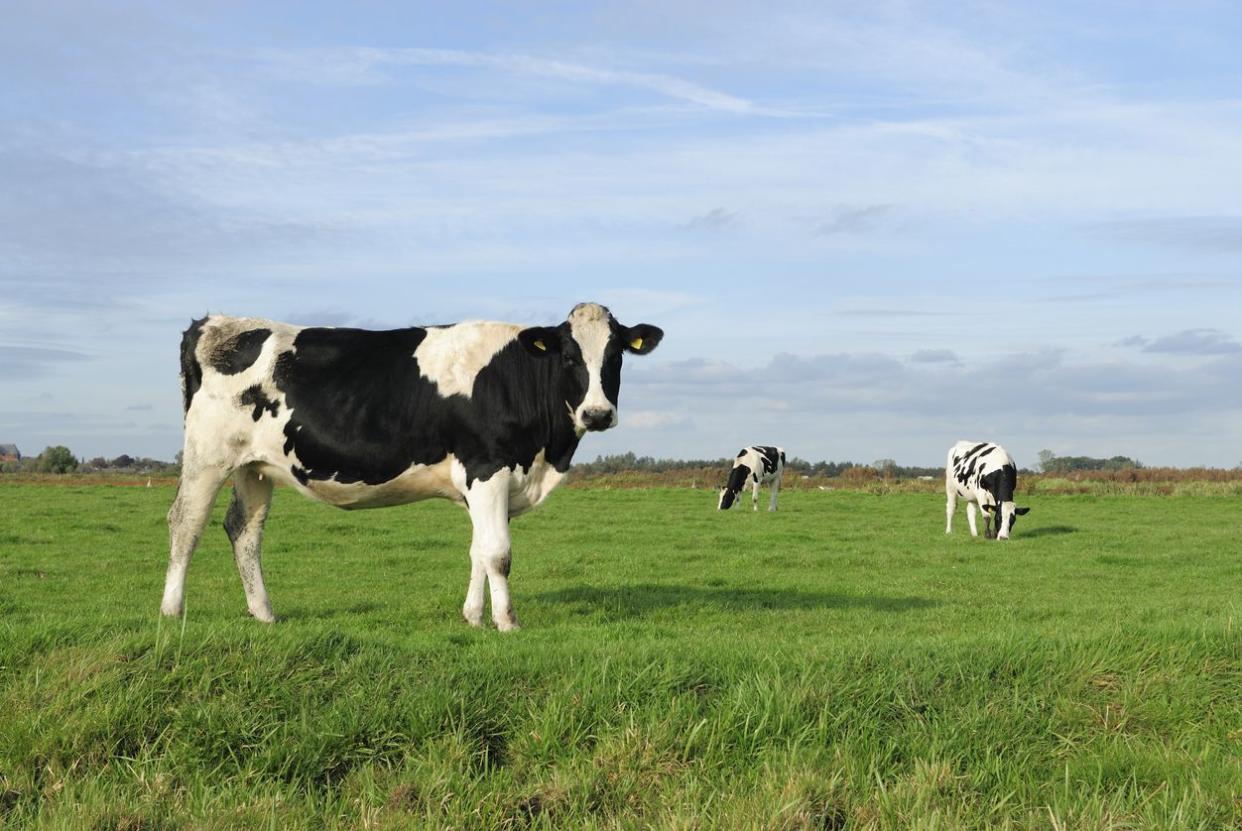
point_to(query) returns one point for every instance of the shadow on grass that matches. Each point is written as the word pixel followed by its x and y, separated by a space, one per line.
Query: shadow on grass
pixel 647 598
pixel 1048 531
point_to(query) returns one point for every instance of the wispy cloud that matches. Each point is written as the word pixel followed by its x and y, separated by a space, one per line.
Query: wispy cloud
pixel 895 312
pixel 657 420
pixel 1222 234
pixel 367 65
pixel 853 220
pixel 34 361
pixel 1195 342
pixel 714 220
pixel 935 356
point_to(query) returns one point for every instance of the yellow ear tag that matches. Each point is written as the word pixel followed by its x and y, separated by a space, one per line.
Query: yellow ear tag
pixel 541 345
pixel 637 343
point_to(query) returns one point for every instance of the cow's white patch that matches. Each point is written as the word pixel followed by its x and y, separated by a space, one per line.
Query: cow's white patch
pixel 416 483
pixel 591 326
pixel 452 356
pixel 527 488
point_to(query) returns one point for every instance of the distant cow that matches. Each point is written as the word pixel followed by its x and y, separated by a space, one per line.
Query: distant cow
pixel 759 465
pixel 982 473
pixel 485 414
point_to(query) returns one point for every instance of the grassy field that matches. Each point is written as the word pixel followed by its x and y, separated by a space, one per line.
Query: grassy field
pixel 839 665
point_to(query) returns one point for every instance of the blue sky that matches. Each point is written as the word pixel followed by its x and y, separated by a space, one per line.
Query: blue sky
pixel 868 230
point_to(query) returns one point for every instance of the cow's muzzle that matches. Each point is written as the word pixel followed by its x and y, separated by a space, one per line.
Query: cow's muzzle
pixel 598 418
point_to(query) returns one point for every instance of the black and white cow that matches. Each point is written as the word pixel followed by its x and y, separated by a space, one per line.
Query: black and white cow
pixel 982 473
pixel 485 414
pixel 758 465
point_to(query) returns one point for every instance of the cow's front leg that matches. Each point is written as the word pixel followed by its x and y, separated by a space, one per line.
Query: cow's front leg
pixel 489 551
pixel 754 497
pixel 949 507
pixel 776 487
pixel 970 519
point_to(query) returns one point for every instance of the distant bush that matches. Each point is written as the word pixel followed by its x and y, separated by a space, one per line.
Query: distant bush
pixel 58 459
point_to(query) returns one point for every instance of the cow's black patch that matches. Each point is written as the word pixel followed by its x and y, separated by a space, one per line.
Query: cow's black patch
pixel 1001 483
pixel 191 370
pixel 239 352
pixel 769 457
pixel 253 396
pixel 737 480
pixel 362 412
pixel 972 451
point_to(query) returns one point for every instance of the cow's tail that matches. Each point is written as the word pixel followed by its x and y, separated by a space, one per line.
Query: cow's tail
pixel 191 369
pixel 782 458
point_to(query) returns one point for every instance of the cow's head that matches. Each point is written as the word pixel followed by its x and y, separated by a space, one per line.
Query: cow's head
pixel 589 345
pixel 730 490
pixel 1004 516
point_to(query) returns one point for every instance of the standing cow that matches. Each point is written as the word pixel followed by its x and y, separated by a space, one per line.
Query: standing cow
pixel 485 414
pixel 982 473
pixel 758 464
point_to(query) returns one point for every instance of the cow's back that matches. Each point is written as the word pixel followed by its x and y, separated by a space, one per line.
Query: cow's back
pixel 969 462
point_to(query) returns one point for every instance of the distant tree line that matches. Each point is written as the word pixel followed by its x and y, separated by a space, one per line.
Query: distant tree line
pixel 1050 462
pixel 60 459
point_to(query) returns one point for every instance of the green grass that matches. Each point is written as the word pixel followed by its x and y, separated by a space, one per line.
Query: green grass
pixel 839 665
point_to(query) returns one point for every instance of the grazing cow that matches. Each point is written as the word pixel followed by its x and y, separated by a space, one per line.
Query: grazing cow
pixel 759 464
pixel 983 473
pixel 485 414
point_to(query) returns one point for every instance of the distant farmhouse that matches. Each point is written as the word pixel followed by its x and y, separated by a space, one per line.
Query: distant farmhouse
pixel 10 453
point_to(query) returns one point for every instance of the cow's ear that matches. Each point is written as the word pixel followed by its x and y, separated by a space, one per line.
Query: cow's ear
pixel 642 338
pixel 540 340
pixel 1021 511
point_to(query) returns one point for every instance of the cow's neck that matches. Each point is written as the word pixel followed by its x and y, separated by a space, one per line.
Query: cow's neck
pixel 561 438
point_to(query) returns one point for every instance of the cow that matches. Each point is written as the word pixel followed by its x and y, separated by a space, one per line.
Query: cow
pixel 758 464
pixel 485 414
pixel 982 473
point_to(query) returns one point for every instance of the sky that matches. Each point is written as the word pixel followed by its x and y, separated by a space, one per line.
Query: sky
pixel 868 230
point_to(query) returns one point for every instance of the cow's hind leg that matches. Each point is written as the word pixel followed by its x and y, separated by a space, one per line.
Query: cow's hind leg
pixel 489 551
pixel 252 496
pixel 196 494
pixel 754 496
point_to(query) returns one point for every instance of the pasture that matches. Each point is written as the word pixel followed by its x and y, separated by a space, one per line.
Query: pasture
pixel 841 664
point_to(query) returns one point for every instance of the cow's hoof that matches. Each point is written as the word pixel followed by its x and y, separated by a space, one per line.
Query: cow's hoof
pixel 510 625
pixel 263 617
pixel 170 611
pixel 474 617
